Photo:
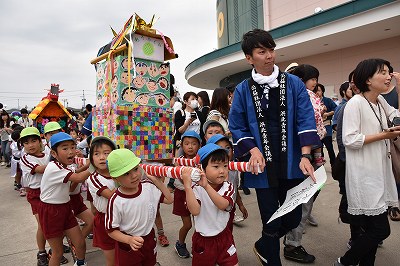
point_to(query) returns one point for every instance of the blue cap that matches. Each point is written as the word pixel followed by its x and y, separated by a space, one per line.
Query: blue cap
pixel 60 137
pixel 192 134
pixel 217 137
pixel 87 126
pixel 207 150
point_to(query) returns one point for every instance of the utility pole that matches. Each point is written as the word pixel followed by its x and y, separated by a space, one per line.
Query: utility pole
pixel 83 100
pixel 65 102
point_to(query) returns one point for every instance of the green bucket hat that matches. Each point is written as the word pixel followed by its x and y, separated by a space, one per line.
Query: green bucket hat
pixel 121 161
pixel 30 131
pixel 51 126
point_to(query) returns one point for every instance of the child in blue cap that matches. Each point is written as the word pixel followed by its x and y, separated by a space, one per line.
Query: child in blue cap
pixel 190 143
pixel 210 202
pixel 55 212
pixel 233 177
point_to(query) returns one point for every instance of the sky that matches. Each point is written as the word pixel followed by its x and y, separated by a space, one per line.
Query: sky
pixel 52 41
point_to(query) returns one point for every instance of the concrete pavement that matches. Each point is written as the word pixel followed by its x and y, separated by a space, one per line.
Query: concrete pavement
pixel 327 241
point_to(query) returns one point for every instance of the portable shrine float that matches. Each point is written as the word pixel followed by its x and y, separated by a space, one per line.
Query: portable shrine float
pixel 50 109
pixel 133 90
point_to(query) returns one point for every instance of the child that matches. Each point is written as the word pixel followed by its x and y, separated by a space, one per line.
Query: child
pixel 210 202
pixel 212 127
pixel 309 75
pixel 131 210
pixel 16 172
pixel 49 130
pixel 233 177
pixel 101 187
pixel 33 163
pixel 190 145
pixel 55 213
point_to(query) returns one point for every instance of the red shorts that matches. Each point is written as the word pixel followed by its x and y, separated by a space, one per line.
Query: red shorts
pixel 100 237
pixel 89 196
pixel 55 219
pixel 180 207
pixel 145 256
pixel 219 249
pixel 33 197
pixel 77 204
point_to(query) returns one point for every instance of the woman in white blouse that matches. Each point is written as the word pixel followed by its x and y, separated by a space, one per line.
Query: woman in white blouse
pixel 370 184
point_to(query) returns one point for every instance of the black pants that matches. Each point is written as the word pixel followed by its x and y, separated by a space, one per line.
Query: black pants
pixel 269 200
pixel 376 229
pixel 327 141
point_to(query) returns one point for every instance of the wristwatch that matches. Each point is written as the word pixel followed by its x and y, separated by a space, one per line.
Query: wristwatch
pixel 308 156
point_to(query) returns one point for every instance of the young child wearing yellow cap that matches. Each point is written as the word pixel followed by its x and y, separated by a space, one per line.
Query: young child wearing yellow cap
pixel 132 209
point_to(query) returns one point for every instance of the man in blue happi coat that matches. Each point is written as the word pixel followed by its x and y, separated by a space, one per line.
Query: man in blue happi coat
pixel 273 128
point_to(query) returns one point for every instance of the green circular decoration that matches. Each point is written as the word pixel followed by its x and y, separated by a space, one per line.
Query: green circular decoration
pixel 148 48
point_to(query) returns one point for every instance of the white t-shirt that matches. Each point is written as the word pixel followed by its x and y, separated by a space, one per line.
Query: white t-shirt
pixel 25 122
pixel 28 166
pixel 195 125
pixel 211 221
pixel 97 183
pixel 55 186
pixel 134 214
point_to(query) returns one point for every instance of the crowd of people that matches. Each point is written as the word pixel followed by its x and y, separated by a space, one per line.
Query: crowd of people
pixel 277 121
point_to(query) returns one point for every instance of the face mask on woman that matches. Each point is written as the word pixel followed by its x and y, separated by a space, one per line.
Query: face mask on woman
pixel 194 104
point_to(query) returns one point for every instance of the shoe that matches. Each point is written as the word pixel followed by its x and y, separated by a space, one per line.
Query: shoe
pixel 90 236
pixel 312 221
pixel 76 263
pixel 80 222
pixel 63 260
pixel 237 219
pixel 163 240
pixel 8 165
pixel 42 259
pixel 181 250
pixel 298 254
pixel 2 163
pixel 22 192
pixel 337 263
pixel 246 190
pixel 261 260
pixel 67 249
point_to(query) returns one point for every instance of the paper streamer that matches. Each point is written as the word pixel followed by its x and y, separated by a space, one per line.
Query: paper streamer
pixel 170 171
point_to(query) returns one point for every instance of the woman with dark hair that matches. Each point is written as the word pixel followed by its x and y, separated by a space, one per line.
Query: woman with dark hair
pixel 5 131
pixel 219 109
pixel 370 184
pixel 204 102
pixel 188 118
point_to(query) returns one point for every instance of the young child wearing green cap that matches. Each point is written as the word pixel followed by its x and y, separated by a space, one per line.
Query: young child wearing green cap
pixel 49 130
pixel 210 202
pixel 33 164
pixel 55 213
pixel 132 209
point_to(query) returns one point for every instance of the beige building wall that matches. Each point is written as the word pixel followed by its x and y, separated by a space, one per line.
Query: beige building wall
pixel 281 12
pixel 334 67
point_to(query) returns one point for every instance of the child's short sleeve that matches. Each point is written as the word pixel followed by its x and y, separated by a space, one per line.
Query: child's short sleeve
pixel 113 215
pixel 227 192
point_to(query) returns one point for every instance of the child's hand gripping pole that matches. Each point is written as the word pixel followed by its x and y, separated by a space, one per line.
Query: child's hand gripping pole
pixel 235 166
pixel 170 171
